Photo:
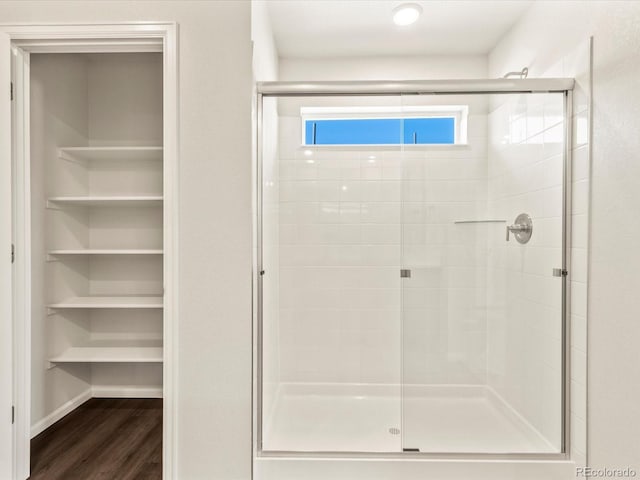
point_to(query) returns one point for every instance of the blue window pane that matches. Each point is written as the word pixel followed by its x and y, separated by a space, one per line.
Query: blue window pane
pixel 429 130
pixel 368 131
pixel 380 131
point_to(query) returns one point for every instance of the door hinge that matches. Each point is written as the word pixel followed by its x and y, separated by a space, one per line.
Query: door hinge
pixel 13 415
pixel 560 272
pixel 13 253
pixel 11 91
pixel 405 273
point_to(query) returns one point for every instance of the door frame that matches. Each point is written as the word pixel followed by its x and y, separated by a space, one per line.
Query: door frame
pixel 17 42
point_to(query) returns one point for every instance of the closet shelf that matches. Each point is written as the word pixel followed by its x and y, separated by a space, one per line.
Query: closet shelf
pixel 155 301
pixel 106 201
pixel 108 355
pixel 88 154
pixel 94 251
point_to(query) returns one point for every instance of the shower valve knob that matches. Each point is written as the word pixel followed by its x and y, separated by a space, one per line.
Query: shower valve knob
pixel 521 229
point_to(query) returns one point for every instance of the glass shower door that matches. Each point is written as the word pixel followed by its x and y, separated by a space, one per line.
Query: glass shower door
pixel 482 232
pixel 331 200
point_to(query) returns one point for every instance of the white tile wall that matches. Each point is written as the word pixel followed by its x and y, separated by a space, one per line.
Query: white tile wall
pixel 340 256
pixel 271 257
pixel 349 219
pixel 553 52
pixel 524 299
pixel 575 64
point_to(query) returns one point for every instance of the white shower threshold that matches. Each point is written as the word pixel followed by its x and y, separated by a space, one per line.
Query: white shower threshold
pixel 323 417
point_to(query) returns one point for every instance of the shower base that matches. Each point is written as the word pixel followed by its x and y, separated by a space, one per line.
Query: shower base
pixel 367 418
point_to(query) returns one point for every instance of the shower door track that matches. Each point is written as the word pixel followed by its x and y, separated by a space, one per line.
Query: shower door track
pixel 415 87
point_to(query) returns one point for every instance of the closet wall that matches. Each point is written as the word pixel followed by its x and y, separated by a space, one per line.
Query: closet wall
pixel 58 116
pixel 96 192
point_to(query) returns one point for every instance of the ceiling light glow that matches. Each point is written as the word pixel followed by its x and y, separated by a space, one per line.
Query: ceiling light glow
pixel 406 14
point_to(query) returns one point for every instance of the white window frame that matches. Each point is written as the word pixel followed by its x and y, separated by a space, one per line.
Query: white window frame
pixel 459 113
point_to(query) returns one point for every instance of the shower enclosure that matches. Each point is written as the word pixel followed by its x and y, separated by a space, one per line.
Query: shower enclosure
pixel 411 268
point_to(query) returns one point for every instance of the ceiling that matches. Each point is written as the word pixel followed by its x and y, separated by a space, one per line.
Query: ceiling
pixel 344 28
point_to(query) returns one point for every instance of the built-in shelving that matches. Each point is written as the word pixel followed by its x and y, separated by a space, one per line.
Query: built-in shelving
pixel 97 224
pixel 106 201
pixel 89 154
pixel 109 355
pixel 100 302
pixel 94 251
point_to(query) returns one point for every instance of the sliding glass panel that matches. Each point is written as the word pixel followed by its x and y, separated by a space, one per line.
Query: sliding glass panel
pixel 409 299
pixel 331 308
pixel 481 307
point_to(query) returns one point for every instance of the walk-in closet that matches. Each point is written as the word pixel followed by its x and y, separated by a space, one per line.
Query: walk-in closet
pixel 96 194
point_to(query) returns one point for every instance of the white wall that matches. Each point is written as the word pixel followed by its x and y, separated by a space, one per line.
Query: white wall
pixel 58 118
pixel 214 321
pixel 383 68
pixel 265 53
pixel 125 99
pixel 541 40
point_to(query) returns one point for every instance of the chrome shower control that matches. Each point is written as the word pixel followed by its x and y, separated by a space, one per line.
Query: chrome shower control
pixel 521 229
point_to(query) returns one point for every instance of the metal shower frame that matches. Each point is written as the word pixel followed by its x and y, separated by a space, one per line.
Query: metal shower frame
pixel 427 87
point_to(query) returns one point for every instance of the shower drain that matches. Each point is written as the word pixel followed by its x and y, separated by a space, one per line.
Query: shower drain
pixel 394 431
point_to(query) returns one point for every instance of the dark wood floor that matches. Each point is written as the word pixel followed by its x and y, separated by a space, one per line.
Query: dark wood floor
pixel 105 439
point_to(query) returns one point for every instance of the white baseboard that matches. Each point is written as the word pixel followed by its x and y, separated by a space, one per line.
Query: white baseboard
pixel 96 391
pixel 60 412
pixel 118 391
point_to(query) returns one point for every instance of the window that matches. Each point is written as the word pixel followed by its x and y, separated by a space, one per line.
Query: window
pixel 440 125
